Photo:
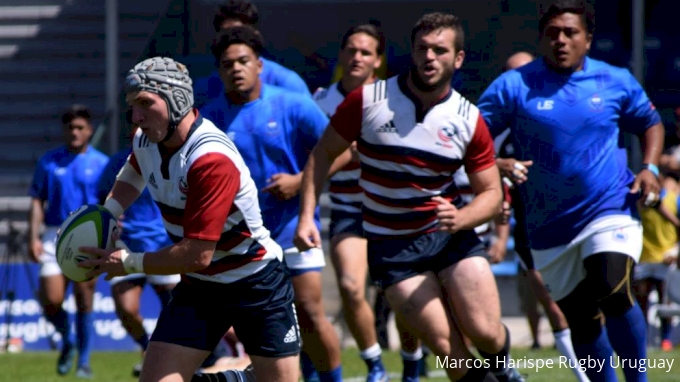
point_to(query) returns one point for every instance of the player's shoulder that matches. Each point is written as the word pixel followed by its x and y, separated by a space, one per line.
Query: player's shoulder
pixel 97 155
pixel 287 101
pixel 375 92
pixel 206 138
pixel 609 75
pixel 463 108
pixel 321 93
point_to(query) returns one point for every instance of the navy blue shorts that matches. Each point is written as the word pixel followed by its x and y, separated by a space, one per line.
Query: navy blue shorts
pixel 393 260
pixel 343 222
pixel 259 307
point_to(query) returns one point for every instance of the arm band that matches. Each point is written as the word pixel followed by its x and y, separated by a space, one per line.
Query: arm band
pixel 133 262
pixel 114 207
pixel 129 175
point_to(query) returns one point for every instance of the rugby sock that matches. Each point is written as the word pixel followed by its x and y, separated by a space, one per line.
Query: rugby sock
pixel 629 340
pixel 563 344
pixel 600 351
pixel 411 364
pixel 499 363
pixel 143 341
pixel 666 329
pixel 334 375
pixel 83 332
pixel 372 356
pixel 309 373
pixel 60 322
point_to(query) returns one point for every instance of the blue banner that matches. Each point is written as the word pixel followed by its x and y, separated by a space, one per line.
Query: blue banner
pixel 21 314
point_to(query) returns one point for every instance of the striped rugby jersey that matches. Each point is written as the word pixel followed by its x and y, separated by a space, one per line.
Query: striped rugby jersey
pixel 344 192
pixel 204 191
pixel 409 156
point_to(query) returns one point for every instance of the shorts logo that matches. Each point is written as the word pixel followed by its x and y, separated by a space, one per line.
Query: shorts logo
pixel 620 234
pixel 291 336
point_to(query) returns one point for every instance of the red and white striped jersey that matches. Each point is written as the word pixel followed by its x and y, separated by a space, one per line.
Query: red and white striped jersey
pixel 205 192
pixel 344 192
pixel 408 156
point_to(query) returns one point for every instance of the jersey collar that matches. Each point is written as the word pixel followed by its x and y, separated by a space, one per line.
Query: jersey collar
pixel 420 113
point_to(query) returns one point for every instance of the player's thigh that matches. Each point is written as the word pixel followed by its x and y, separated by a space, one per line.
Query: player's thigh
pixel 471 289
pixel 167 362
pixel 307 291
pixel 350 263
pixel 126 292
pixel 52 290
pixel 266 322
pixel 279 369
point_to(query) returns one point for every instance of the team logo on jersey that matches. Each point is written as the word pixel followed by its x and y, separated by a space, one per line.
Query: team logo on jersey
pixel 596 102
pixel 272 127
pixel 447 133
pixel 620 234
pixel 59 171
pixel 183 186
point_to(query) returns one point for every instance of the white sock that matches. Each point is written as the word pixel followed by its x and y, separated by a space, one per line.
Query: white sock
pixel 371 352
pixel 563 343
pixel 415 356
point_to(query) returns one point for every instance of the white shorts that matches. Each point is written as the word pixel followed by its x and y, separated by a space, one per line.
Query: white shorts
pixel 48 260
pixel 310 259
pixel 151 279
pixel 562 267
pixel 656 271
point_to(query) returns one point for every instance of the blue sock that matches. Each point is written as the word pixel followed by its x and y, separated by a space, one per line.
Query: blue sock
pixel 61 325
pixel 665 329
pixel 601 350
pixel 334 375
pixel 309 373
pixel 411 362
pixel 83 333
pixel 375 363
pixel 143 341
pixel 629 339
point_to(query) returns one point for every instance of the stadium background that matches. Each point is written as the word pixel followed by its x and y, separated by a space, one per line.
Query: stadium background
pixel 54 53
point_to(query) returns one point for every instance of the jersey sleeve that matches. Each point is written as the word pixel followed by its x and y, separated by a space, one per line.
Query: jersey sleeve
pixel 347 120
pixel 213 181
pixel 496 105
pixel 480 153
pixel 310 123
pixel 637 112
pixel 38 189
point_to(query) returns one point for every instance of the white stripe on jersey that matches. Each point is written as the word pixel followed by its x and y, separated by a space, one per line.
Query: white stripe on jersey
pixel 245 246
pixel 344 192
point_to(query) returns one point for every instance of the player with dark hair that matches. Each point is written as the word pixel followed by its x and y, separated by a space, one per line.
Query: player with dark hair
pixel 235 13
pixel 413 132
pixel 566 113
pixel 65 179
pixel 274 130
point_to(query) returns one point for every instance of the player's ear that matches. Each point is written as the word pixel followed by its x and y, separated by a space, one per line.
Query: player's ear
pixel 378 62
pixel 458 61
pixel 259 65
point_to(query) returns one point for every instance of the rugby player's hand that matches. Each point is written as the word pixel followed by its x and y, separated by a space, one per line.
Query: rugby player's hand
pixel 283 186
pixel 450 219
pixel 35 249
pixel 497 251
pixel 307 235
pixel 516 171
pixel 109 261
pixel 647 184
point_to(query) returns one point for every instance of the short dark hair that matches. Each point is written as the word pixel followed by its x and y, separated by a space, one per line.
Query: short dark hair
pixel 75 111
pixel 237 35
pixel 578 7
pixel 242 10
pixel 436 20
pixel 372 29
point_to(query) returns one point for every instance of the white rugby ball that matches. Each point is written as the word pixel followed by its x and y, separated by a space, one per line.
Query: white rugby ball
pixel 88 226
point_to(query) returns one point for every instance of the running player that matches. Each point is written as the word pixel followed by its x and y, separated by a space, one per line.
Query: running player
pixel 413 132
pixel 65 179
pixel 235 13
pixel 274 130
pixel 209 206
pixel 566 113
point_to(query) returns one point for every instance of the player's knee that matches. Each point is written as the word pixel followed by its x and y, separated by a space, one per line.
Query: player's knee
pixel 351 289
pixel 609 280
pixel 51 309
pixel 486 335
pixel 619 300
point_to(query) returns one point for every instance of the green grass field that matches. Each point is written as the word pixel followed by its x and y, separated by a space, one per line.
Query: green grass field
pixel 115 367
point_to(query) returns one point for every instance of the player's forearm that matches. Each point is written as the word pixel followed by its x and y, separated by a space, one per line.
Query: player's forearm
pixel 36 217
pixel 482 208
pixel 313 179
pixel 127 188
pixel 503 232
pixel 652 144
pixel 183 257
pixel 124 193
pixel 340 162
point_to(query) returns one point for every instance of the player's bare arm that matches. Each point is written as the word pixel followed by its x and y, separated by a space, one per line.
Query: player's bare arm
pixel 327 150
pixel 35 219
pixel 646 180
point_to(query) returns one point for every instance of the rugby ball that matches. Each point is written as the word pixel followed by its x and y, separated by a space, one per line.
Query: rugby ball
pixel 88 226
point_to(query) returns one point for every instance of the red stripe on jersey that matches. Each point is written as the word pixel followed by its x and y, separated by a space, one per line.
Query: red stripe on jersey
pixel 347 119
pixel 219 267
pixel 133 162
pixel 399 224
pixel 416 206
pixel 341 189
pixel 480 152
pixel 351 166
pixel 433 183
pixel 408 160
pixel 213 181
pixel 231 239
